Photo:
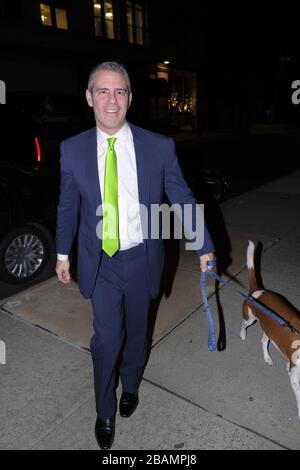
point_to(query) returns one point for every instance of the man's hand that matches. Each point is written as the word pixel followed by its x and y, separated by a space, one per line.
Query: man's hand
pixel 203 261
pixel 63 271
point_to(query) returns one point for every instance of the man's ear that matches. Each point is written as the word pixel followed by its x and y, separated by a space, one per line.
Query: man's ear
pixel 129 100
pixel 89 98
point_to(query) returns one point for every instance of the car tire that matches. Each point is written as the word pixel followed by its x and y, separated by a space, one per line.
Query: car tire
pixel 24 253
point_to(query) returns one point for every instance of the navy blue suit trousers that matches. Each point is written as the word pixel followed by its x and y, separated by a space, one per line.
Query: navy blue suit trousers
pixel 120 300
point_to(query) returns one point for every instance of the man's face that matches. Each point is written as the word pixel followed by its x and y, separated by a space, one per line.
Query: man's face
pixel 110 100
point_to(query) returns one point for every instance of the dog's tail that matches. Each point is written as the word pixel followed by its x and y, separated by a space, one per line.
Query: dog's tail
pixel 253 284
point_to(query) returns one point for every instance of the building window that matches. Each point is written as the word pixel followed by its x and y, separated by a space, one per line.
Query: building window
pixel 181 100
pixel 129 22
pixel 98 18
pixel 54 15
pixel 135 22
pixel 104 20
pixel 61 18
pixel 45 14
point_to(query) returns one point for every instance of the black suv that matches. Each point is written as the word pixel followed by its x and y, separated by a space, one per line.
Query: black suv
pixel 29 191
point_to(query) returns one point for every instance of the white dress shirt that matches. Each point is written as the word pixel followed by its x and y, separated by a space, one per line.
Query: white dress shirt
pixel 130 230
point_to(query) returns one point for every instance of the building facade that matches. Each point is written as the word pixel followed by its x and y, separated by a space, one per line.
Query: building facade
pixel 48 49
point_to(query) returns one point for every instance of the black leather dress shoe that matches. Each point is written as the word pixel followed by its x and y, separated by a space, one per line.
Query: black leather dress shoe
pixel 105 432
pixel 128 404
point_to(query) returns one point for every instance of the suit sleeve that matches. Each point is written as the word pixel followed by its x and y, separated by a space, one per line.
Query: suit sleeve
pixel 68 206
pixel 178 192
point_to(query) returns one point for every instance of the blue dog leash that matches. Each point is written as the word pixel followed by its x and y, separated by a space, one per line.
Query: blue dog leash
pixel 212 342
pixel 212 345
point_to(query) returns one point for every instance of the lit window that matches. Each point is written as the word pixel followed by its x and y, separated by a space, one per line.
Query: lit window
pixel 104 18
pixel 139 24
pixel 45 10
pixel 182 99
pixel 61 18
pixel 97 18
pixel 135 22
pixel 129 22
pixel 109 20
pixel 53 15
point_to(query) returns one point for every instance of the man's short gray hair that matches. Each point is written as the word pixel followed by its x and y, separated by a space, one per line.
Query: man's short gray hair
pixel 113 67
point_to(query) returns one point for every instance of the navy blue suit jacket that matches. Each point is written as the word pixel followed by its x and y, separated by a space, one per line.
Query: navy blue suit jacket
pixel 158 173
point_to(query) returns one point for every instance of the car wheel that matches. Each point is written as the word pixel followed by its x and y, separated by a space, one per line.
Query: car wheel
pixel 24 253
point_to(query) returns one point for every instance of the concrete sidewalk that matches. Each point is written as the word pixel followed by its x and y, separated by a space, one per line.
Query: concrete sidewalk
pixel 189 398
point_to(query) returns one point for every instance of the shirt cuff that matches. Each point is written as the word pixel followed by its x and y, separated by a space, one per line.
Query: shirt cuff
pixel 61 257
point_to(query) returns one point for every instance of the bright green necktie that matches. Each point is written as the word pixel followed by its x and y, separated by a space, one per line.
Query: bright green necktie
pixel 110 234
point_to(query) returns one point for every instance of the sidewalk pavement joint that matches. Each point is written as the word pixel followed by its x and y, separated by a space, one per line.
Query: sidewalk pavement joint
pixel 191 402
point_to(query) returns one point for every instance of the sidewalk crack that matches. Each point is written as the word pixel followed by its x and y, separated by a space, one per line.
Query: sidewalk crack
pixel 217 415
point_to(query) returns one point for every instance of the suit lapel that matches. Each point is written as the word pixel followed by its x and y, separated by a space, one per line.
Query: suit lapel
pixel 142 165
pixel 91 167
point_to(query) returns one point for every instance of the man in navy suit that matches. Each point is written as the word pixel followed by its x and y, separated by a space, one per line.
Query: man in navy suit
pixel 121 285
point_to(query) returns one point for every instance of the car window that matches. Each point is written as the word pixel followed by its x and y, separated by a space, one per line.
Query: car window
pixel 17 138
pixel 56 116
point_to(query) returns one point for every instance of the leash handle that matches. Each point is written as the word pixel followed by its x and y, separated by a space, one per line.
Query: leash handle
pixel 211 262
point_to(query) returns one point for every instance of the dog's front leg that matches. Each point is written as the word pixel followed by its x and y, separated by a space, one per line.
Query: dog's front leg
pixel 243 330
pixel 248 320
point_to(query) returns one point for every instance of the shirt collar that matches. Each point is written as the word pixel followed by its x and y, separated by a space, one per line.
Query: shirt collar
pixel 121 135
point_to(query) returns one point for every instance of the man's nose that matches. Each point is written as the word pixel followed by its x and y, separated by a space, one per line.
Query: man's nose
pixel 112 96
